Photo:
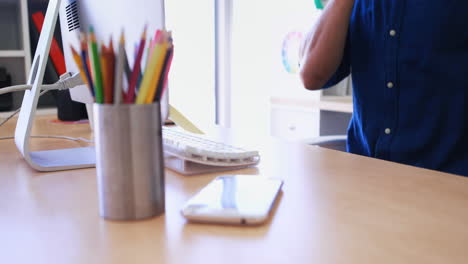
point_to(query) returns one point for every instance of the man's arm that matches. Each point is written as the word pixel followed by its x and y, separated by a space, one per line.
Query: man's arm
pixel 323 47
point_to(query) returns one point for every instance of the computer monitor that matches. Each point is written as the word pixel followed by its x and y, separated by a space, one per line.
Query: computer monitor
pixel 108 19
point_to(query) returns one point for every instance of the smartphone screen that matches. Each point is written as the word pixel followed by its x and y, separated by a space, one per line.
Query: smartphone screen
pixel 234 198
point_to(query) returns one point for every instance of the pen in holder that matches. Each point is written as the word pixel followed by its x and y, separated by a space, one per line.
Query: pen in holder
pixel 129 160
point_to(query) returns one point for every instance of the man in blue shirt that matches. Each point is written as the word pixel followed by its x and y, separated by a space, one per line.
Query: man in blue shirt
pixel 409 63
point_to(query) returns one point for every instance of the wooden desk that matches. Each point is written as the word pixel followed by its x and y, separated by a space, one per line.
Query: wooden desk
pixel 335 208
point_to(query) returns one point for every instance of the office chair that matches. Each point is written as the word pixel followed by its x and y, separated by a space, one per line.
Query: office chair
pixel 336 142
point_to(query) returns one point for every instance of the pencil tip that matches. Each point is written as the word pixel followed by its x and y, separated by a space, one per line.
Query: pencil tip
pixel 144 31
pixel 122 37
pixel 73 50
pixel 103 47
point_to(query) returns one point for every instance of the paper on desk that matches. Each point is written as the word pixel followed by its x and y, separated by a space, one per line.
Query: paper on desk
pixel 180 120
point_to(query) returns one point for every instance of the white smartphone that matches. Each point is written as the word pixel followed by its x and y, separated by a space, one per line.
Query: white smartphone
pixel 234 199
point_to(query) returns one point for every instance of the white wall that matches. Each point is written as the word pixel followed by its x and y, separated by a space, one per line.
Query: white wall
pixel 259 29
pixel 191 87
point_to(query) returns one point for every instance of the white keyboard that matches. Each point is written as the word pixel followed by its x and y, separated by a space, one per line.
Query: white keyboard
pixel 200 149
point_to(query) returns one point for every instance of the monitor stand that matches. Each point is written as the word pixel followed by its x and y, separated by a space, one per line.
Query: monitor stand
pixel 46 160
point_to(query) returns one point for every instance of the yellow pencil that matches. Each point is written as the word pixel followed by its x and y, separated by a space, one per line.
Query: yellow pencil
pixel 79 63
pixel 162 50
pixel 148 80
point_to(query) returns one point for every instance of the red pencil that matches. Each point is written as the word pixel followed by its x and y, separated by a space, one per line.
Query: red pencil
pixel 130 96
pixel 110 71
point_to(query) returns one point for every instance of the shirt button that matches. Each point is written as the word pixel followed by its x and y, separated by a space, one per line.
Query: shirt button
pixel 390 85
pixel 388 131
pixel 392 33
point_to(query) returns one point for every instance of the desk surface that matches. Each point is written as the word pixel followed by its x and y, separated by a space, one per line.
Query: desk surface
pixel 335 208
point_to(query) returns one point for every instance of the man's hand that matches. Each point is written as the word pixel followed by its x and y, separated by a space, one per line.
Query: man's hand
pixel 322 50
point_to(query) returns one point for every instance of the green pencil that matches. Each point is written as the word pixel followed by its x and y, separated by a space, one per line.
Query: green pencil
pixel 96 65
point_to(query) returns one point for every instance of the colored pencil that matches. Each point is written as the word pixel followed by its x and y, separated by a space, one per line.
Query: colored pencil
pixel 136 70
pixel 119 70
pixel 147 76
pixel 79 64
pixel 160 50
pixel 157 37
pixel 163 81
pixel 127 70
pixel 104 72
pixel 146 56
pixel 110 72
pixel 85 61
pixel 96 66
pixel 107 66
pixel 109 76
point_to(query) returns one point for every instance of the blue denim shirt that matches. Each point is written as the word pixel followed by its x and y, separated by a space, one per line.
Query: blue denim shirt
pixel 409 65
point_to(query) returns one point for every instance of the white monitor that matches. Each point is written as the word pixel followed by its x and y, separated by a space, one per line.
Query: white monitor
pixel 108 19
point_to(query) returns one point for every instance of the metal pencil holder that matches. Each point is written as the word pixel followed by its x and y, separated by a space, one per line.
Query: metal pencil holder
pixel 129 161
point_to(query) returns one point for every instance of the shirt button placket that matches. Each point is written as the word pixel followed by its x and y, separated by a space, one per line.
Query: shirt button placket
pixel 390 85
pixel 392 33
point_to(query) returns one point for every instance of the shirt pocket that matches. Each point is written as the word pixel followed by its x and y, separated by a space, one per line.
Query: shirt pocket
pixel 436 24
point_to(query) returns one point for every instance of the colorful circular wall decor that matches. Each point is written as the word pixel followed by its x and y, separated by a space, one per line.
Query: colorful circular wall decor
pixel 320 4
pixel 290 51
